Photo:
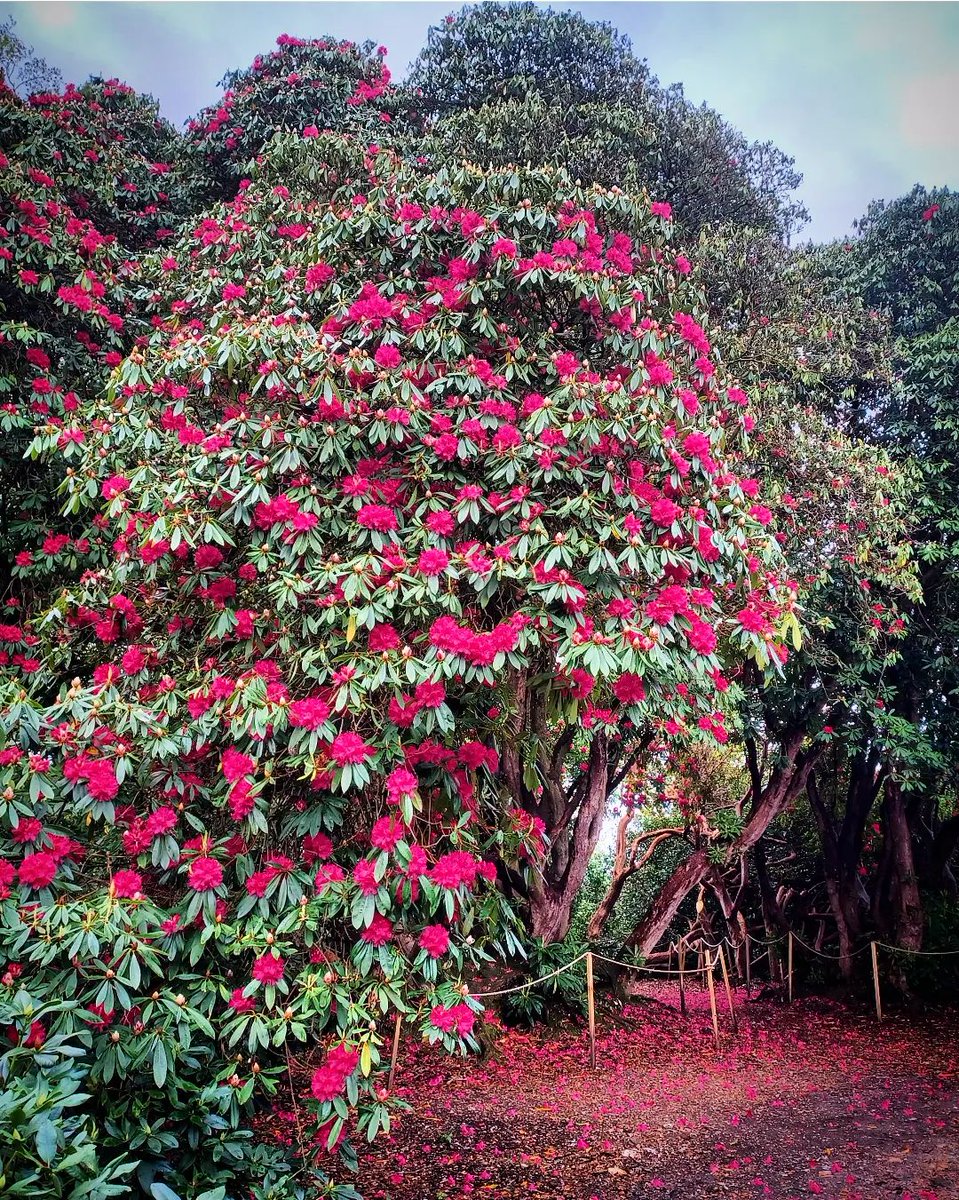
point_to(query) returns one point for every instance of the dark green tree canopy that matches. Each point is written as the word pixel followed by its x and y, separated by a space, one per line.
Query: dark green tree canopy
pixel 504 84
pixel 501 52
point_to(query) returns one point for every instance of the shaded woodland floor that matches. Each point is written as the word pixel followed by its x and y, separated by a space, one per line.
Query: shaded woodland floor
pixel 812 1099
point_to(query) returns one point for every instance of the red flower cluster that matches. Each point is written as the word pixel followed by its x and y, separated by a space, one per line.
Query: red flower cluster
pixel 458 1019
pixel 435 940
pixel 349 748
pixel 479 648
pixel 308 714
pixel 329 1080
pixel 459 868
pixel 206 874
pixel 268 968
pixel 127 884
pixel 98 774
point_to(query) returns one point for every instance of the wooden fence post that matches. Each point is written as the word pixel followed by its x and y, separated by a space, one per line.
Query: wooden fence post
pixel 875 979
pixel 396 1051
pixel 729 990
pixel 710 967
pixel 789 960
pixel 749 966
pixel 682 976
pixel 591 1001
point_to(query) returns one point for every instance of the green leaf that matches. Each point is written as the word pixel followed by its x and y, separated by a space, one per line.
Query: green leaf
pixel 159 1063
pixel 160 1191
pixel 47 1140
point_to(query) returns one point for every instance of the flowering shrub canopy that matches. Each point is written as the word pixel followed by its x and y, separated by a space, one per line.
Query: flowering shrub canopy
pixel 88 179
pixel 398 448
pixel 411 512
pixel 318 85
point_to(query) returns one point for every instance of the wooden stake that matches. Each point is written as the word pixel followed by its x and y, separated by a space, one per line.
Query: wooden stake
pixel 875 978
pixel 749 967
pixel 712 998
pixel 789 959
pixel 591 1000
pixel 396 1050
pixel 682 977
pixel 729 990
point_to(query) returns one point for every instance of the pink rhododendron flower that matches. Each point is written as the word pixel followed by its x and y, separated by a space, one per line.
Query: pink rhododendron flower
pixel 365 878
pixel 37 870
pixel 308 714
pixel 457 1019
pixel 435 940
pixel 316 845
pixel 432 562
pixel 205 874
pixel 377 517
pixel 386 833
pixel 401 782
pixel 116 485
pixel 379 931
pixel 236 765
pixel 327 874
pixel 387 356
pixel 240 1003
pixel 629 689
pixel 348 748
pixel 268 968
pixel 126 884
pixel 664 512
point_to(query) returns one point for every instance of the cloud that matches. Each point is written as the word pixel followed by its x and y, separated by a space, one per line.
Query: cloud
pixel 55 14
pixel 927 111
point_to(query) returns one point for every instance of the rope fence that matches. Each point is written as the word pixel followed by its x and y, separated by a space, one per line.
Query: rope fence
pixel 530 983
pixel 823 954
pixel 716 958
pixel 921 953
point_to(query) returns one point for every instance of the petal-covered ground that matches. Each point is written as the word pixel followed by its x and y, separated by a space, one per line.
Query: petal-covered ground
pixel 812 1099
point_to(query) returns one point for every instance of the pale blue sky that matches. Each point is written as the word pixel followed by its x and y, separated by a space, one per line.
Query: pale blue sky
pixel 864 95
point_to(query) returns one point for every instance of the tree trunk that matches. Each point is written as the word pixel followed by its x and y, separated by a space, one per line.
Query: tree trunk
pixel 571 804
pixel 943 847
pixel 625 865
pixel 841 843
pixel 687 875
pixel 787 782
pixel 774 922
pixel 736 926
pixel 550 914
pixel 844 908
pixel 575 836
pixel 904 892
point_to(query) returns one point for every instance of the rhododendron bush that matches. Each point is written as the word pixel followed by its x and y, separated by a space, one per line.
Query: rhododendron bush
pixel 316 84
pixel 88 180
pixel 424 509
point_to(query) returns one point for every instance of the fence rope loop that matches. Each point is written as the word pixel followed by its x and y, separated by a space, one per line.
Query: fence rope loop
pixel 615 962
pixel 522 987
pixel 651 970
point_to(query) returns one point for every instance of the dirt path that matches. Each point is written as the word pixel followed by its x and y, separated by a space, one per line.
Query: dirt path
pixel 808 1100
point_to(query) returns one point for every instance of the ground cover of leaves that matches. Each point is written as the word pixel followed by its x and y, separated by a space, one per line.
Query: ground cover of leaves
pixel 809 1099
